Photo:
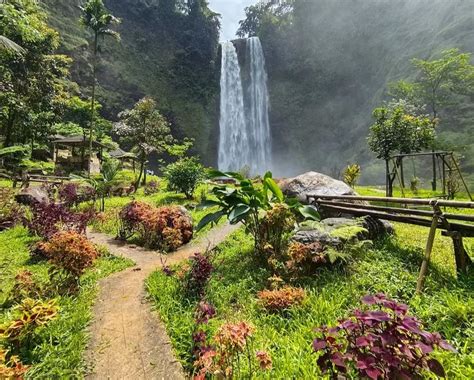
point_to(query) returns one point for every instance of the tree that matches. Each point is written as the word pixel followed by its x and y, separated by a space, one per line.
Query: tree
pixel 97 18
pixel 33 81
pixel 145 128
pixel 439 81
pixel 442 82
pixel 398 129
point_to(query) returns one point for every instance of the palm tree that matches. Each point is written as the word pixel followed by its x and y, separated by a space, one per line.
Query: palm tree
pixel 6 43
pixel 96 17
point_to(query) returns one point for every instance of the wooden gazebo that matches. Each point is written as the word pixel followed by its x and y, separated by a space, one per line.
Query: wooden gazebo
pixel 124 157
pixel 72 154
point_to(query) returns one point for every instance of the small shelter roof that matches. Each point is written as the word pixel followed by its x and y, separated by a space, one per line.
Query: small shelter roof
pixel 121 154
pixel 78 141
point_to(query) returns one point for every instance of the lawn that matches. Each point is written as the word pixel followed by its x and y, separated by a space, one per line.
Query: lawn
pixel 391 267
pixel 58 347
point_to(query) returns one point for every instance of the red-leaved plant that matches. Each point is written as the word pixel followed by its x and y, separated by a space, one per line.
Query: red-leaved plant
pixel 48 219
pixel 198 275
pixel 385 343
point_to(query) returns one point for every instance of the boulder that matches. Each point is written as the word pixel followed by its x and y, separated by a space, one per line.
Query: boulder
pixel 314 183
pixel 30 195
pixel 334 232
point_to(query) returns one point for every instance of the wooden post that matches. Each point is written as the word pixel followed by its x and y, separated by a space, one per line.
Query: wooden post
pixel 402 175
pixel 462 258
pixel 433 184
pixel 426 260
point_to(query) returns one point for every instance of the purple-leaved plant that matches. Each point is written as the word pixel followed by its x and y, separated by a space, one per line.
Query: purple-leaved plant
pixel 383 343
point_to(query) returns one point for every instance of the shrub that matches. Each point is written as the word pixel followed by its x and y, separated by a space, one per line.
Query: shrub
pixel 31 315
pixel 49 218
pixel 11 367
pixel 166 227
pixel 351 174
pixel 385 343
pixel 11 213
pixel 72 193
pixel 184 175
pixel 261 209
pixel 70 252
pixel 152 187
pixel 230 345
pixel 198 275
pixel 304 258
pixel 281 299
pixel 274 230
pixel 25 287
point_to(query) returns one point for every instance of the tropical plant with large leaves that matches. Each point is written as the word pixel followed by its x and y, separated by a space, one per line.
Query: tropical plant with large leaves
pixel 246 202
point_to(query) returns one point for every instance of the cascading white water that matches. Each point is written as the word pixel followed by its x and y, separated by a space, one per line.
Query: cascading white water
pixel 257 114
pixel 233 140
pixel 245 139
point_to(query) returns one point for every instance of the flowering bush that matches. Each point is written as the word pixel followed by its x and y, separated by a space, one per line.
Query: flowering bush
pixel 165 227
pixel 32 314
pixel 49 218
pixel 196 278
pixel 281 299
pixel 385 343
pixel 11 367
pixel 70 252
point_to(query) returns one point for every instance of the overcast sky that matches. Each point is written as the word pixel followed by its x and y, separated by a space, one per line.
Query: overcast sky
pixel 232 12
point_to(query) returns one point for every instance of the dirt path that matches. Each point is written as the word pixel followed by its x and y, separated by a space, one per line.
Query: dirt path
pixel 128 341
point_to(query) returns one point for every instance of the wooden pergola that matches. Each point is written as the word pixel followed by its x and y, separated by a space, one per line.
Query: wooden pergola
pixel 444 163
pixel 78 145
pixel 123 157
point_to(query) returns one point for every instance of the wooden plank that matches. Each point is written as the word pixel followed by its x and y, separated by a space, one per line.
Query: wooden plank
pixel 392 210
pixel 424 202
pixel 465 229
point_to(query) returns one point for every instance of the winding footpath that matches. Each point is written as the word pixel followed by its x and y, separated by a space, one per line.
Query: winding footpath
pixel 128 340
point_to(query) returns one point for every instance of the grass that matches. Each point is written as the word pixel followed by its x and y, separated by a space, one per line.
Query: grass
pixel 391 266
pixel 59 347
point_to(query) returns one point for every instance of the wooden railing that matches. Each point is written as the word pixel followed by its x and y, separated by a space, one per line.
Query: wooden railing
pixel 431 215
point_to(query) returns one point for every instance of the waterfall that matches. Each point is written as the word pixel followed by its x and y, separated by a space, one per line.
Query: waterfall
pixel 234 146
pixel 257 113
pixel 245 139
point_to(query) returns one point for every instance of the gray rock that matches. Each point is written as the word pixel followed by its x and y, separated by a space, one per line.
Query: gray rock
pixel 316 235
pixel 314 183
pixel 30 195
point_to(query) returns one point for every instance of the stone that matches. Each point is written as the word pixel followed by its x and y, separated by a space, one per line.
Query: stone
pixel 30 195
pixel 326 231
pixel 311 183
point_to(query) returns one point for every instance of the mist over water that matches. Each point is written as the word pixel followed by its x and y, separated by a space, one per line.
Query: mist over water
pixel 245 139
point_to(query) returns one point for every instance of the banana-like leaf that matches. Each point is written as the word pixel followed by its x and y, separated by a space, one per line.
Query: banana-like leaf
pixel 208 203
pixel 239 213
pixel 210 218
pixel 274 188
pixel 309 212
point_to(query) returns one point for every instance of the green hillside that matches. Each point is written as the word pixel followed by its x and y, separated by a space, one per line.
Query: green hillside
pixel 163 53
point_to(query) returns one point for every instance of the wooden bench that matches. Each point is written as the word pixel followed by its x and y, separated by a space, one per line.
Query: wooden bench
pixel 431 215
pixel 38 178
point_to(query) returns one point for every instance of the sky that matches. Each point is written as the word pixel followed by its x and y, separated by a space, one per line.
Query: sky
pixel 232 12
